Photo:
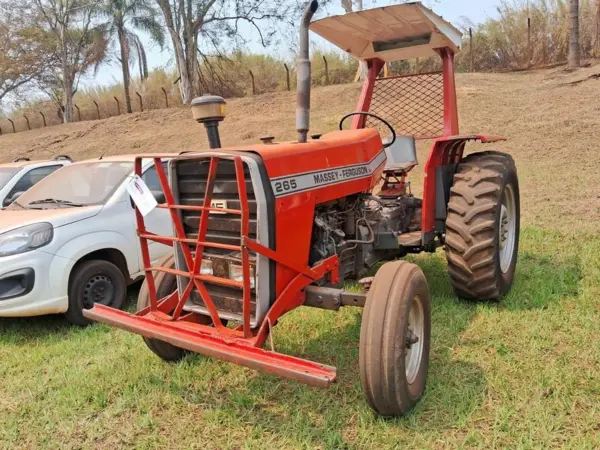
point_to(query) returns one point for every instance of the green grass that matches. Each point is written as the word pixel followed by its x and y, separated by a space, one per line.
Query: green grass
pixel 524 373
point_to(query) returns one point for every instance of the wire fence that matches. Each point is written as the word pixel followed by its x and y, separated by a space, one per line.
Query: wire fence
pixel 165 96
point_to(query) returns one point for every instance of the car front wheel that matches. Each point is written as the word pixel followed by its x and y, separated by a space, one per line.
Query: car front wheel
pixel 94 282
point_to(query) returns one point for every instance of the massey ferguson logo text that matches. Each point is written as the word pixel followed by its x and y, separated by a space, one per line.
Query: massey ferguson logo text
pixel 337 175
pixel 315 180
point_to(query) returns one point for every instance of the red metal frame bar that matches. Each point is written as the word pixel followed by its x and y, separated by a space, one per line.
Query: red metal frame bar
pixel 181 334
pixel 366 95
pixel 450 104
pixel 164 319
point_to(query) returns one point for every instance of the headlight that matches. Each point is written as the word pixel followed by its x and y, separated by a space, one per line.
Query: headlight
pixel 236 273
pixel 25 239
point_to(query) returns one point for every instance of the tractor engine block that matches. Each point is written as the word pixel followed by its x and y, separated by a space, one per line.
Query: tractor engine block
pixel 363 230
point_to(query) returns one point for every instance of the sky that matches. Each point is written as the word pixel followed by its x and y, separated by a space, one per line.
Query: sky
pixel 452 10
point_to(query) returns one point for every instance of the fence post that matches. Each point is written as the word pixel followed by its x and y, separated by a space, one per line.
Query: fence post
pixel 13 125
pixel 78 112
pixel 529 47
pixel 97 109
pixel 43 118
pixel 471 55
pixel 253 83
pixel 118 106
pixel 287 71
pixel 0 131
pixel 326 70
pixel 28 124
pixel 166 98
pixel 141 101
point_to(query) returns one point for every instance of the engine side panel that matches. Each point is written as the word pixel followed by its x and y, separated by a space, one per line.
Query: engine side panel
pixel 303 176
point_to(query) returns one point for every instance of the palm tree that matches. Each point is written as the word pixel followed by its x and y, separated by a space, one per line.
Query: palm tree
pixel 124 17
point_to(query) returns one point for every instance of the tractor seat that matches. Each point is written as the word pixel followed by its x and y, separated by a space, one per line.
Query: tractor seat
pixel 401 155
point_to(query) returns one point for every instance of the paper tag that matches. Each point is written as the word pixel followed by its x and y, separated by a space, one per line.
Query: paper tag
pixel 141 196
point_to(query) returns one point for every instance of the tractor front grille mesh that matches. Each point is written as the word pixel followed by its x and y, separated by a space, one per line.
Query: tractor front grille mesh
pixel 413 104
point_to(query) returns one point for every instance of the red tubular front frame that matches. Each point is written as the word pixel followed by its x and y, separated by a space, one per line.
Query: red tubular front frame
pixel 165 319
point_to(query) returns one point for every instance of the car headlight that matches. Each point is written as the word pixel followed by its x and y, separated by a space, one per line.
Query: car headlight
pixel 26 239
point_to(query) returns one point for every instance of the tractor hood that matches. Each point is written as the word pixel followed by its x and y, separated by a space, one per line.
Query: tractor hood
pixel 58 217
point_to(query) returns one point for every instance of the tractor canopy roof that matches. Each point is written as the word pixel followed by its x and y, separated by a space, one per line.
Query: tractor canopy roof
pixel 390 33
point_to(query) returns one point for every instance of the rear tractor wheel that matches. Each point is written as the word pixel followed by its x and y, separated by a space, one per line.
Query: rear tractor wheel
pixel 483 225
pixel 395 339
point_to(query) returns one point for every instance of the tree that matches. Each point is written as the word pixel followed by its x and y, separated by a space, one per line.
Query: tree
pixel 22 55
pixel 349 6
pixel 140 16
pixel 216 21
pixel 574 47
pixel 76 43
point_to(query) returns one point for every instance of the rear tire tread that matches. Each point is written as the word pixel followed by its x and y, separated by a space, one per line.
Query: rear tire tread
pixel 472 228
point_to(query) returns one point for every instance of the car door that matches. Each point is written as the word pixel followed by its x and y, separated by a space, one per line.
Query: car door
pixel 30 178
pixel 159 220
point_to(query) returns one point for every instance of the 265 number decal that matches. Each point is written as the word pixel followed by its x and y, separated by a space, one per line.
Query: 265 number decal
pixel 285 186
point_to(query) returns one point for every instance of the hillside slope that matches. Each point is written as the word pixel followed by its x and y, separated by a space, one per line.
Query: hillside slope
pixel 551 127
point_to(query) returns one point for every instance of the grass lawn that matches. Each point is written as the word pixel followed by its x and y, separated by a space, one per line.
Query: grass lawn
pixel 523 373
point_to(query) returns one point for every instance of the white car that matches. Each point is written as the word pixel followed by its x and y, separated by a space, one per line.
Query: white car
pixel 73 238
pixel 22 174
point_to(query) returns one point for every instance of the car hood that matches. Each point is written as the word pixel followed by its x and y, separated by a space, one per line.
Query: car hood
pixel 58 217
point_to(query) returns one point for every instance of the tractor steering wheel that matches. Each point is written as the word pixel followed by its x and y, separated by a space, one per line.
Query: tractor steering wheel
pixel 367 114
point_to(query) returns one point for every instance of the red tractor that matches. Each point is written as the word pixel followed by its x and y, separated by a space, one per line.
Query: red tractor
pixel 260 230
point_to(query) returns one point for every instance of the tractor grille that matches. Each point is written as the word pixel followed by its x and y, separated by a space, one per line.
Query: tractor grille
pixel 191 176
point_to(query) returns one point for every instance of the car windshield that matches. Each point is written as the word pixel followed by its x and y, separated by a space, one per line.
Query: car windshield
pixel 6 173
pixel 78 185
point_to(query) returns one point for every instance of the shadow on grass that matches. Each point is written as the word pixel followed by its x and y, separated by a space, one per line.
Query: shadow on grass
pixel 455 389
pixel 32 328
pixel 329 418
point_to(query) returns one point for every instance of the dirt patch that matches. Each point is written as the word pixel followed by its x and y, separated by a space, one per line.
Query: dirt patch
pixel 551 126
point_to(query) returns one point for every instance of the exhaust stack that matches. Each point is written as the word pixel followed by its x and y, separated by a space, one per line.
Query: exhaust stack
pixel 304 76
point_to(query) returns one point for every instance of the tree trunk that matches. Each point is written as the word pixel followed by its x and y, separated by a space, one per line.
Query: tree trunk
pixel 67 79
pixel 125 66
pixel 574 49
pixel 186 87
pixel 362 70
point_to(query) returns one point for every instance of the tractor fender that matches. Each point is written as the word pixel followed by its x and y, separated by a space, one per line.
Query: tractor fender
pixel 445 154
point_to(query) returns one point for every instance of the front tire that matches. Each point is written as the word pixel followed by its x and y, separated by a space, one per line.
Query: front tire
pixel 94 281
pixel 395 339
pixel 483 226
pixel 166 284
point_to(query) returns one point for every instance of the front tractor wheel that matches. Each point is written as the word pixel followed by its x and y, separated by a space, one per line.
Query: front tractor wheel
pixel 395 339
pixel 482 228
